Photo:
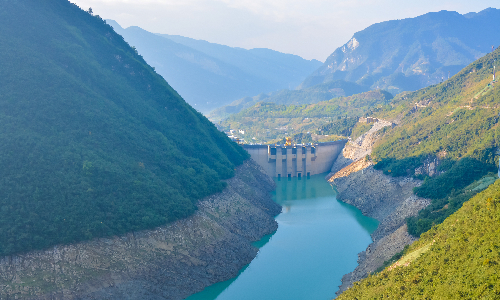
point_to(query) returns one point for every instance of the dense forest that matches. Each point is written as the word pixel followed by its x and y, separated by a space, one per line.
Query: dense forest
pixel 93 142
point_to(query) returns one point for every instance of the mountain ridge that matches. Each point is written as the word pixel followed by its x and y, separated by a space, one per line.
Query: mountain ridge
pixel 310 95
pixel 210 75
pixel 409 54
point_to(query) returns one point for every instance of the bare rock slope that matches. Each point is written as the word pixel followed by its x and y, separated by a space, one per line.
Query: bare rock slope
pixel 170 262
pixel 390 200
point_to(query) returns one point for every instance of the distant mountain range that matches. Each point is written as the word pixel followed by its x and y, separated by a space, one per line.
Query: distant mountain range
pixel 310 95
pixel 409 54
pixel 209 75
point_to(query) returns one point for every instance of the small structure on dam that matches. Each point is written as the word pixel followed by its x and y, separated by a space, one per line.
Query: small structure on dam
pixel 296 160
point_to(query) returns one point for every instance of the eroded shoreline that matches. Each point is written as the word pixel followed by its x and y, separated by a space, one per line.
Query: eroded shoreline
pixel 388 199
pixel 169 262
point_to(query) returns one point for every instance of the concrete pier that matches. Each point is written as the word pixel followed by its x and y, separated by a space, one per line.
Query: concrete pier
pixel 297 160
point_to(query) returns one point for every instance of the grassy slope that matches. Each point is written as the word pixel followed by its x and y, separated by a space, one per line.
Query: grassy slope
pixel 461 261
pixel 93 141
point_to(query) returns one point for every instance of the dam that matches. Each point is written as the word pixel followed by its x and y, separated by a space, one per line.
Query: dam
pixel 296 160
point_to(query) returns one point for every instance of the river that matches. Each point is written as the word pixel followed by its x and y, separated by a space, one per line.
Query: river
pixel 317 242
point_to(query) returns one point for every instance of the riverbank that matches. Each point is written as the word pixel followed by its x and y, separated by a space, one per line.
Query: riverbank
pixel 170 262
pixel 317 235
pixel 389 200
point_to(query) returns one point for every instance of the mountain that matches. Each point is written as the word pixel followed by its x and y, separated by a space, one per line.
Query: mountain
pixel 454 119
pixel 454 126
pixel 93 142
pixel 209 75
pixel 409 54
pixel 266 122
pixel 310 95
pixel 454 260
pixel 446 137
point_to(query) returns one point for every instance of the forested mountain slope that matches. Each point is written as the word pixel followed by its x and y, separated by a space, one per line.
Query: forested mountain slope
pixel 311 95
pixel 409 54
pixel 453 119
pixel 455 260
pixel 451 133
pixel 93 141
pixel 268 121
pixel 209 75
pixel 448 135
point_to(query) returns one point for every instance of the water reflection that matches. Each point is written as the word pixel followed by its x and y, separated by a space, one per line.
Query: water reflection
pixel 297 189
pixel 317 241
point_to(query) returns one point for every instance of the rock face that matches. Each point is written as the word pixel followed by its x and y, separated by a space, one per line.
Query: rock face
pixel 356 151
pixel 390 200
pixel 170 262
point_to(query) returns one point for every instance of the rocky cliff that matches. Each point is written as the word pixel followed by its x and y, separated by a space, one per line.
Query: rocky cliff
pixel 170 262
pixel 390 200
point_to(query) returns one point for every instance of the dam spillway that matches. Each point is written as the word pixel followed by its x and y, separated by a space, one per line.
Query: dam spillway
pixel 297 160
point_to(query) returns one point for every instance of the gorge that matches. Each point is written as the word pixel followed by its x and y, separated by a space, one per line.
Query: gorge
pixel 113 187
pixel 317 241
pixel 169 262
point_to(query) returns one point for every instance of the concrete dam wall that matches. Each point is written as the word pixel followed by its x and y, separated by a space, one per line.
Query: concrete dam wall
pixel 296 160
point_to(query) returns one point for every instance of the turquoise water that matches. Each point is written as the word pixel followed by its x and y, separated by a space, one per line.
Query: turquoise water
pixel 317 242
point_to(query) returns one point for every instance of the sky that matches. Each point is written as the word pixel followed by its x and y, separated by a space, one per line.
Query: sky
pixel 312 29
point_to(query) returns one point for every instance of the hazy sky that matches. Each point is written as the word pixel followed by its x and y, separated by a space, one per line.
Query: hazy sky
pixel 311 29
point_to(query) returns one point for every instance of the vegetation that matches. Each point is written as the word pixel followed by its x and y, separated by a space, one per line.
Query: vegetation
pixel 269 122
pixel 454 124
pixel 93 142
pixel 306 138
pixel 342 126
pixel 360 129
pixel 463 173
pixel 451 120
pixel 311 95
pixel 441 208
pixel 457 259
pixel 392 260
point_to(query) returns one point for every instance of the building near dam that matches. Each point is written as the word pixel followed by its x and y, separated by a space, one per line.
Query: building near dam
pixel 296 160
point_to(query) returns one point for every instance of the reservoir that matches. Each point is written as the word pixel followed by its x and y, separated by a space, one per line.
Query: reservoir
pixel 317 242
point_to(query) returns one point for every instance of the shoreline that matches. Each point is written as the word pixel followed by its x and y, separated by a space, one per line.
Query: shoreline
pixel 388 199
pixel 168 262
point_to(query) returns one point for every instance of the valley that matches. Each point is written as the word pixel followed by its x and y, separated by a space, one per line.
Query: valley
pixel 141 165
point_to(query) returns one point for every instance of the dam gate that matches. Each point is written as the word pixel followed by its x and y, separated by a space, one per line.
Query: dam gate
pixel 296 160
